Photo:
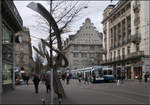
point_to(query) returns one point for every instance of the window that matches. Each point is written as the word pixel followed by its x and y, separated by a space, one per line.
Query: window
pixel 76 47
pixel 123 51
pixel 137 47
pixel 92 55
pixel 7 35
pixel 114 54
pixel 83 55
pixel 119 53
pixel 75 55
pixel 128 50
pixel 7 74
pixel 92 47
pixel 111 55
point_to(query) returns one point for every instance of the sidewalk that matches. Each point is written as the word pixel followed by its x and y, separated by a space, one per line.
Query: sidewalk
pixel 24 94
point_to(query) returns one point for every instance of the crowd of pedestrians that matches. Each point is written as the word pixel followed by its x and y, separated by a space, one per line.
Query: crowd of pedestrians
pixel 45 78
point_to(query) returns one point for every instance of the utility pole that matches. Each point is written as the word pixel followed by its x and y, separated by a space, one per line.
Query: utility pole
pixel 0 55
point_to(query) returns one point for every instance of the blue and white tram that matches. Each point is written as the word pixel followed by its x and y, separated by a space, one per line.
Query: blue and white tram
pixel 108 74
pixel 94 72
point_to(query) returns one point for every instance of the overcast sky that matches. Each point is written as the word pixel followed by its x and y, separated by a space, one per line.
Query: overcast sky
pixel 94 12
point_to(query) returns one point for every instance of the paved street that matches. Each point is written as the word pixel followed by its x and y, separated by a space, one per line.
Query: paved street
pixel 26 95
pixel 132 92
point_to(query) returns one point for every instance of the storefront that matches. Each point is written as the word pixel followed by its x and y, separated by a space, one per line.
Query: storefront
pixel 138 72
pixel 7 58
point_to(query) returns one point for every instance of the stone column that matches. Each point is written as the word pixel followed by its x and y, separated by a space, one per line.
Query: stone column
pixel 0 55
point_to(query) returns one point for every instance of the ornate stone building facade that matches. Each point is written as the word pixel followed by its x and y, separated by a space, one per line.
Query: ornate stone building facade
pixel 24 51
pixel 84 49
pixel 126 38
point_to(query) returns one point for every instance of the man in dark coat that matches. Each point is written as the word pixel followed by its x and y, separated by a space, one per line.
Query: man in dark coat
pixel 36 81
pixel 47 83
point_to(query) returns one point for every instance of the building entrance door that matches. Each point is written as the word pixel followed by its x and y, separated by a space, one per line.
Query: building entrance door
pixel 137 72
pixel 129 73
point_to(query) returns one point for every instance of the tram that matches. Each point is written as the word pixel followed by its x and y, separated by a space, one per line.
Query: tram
pixel 94 73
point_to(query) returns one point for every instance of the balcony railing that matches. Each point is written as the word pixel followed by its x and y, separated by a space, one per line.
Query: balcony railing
pixel 14 10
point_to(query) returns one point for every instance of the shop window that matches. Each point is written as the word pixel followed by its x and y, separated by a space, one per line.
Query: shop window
pixel 7 74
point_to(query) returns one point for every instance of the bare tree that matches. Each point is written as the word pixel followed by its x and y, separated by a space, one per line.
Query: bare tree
pixel 60 19
pixel 38 62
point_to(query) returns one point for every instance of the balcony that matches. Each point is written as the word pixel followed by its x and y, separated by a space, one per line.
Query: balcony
pixel 135 54
pixel 136 38
pixel 11 15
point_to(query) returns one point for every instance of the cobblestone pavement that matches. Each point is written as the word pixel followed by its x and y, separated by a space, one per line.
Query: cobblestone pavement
pixel 131 92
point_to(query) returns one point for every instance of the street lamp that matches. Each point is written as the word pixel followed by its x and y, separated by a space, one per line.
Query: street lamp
pixel 43 12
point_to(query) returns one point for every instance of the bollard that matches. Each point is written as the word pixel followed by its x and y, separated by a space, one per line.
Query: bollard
pixel 43 101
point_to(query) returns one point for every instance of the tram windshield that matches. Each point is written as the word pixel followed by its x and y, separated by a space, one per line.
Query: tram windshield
pixel 98 73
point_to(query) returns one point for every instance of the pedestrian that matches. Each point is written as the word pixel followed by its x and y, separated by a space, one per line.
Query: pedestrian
pixel 94 78
pixel 118 79
pixel 86 80
pixel 148 77
pixel 145 77
pixel 23 74
pixel 27 78
pixel 36 81
pixel 79 78
pixel 47 83
pixel 68 78
pixel 122 79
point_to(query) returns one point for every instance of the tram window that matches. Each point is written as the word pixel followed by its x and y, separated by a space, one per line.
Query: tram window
pixel 109 72
pixel 105 72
